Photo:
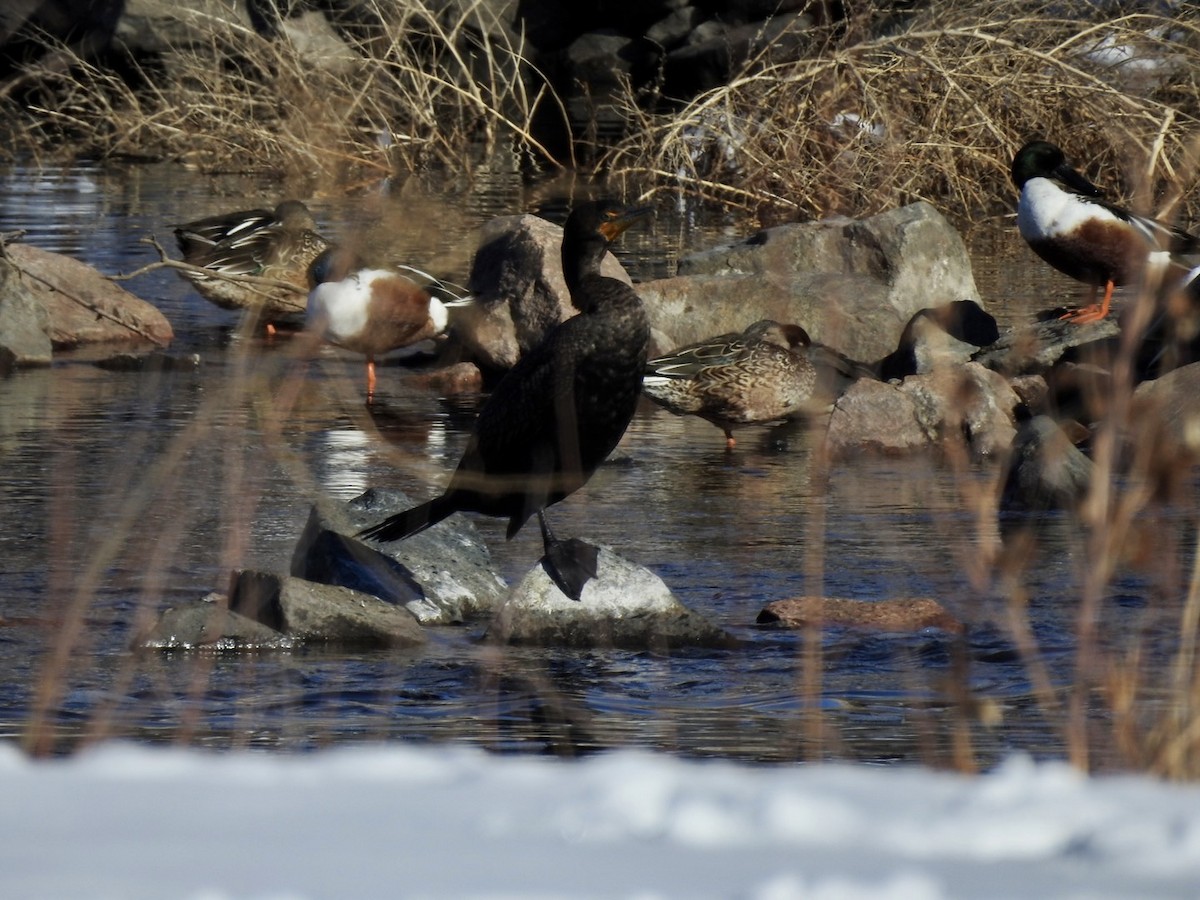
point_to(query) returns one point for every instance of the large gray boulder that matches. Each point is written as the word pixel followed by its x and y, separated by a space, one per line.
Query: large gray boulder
pixel 1045 470
pixel 443 575
pixel 517 282
pixel 625 606
pixel 853 284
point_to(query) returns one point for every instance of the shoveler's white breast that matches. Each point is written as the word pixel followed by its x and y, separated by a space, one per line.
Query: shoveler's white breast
pixel 1045 211
pixel 340 308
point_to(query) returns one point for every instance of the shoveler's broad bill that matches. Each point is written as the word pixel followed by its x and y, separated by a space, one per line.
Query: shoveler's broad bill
pixel 1068 222
pixel 279 244
pixel 374 311
pixel 559 411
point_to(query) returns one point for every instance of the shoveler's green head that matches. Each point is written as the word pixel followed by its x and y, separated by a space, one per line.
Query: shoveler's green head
pixel 1041 159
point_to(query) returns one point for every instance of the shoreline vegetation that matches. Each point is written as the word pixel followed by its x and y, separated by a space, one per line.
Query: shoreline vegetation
pixel 814 114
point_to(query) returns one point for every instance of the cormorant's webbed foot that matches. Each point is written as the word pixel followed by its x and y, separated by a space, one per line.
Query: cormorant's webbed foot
pixel 570 563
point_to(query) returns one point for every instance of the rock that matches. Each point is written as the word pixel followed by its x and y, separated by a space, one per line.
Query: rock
pixel 923 411
pixel 626 606
pixel 442 575
pixel 310 612
pixel 965 401
pixel 23 322
pixel 208 623
pixel 1034 350
pixel 853 284
pixel 1045 469
pixel 516 279
pixel 901 615
pixel 1173 402
pixel 82 305
pixel 460 378
pixel 874 417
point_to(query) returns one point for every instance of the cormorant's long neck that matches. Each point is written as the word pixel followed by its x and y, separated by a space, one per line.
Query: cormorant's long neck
pixel 580 260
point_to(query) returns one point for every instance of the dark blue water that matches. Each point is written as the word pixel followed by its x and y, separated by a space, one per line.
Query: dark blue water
pixel 125 492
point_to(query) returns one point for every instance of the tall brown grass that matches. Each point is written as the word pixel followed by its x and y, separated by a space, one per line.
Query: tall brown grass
pixel 874 117
pixel 424 87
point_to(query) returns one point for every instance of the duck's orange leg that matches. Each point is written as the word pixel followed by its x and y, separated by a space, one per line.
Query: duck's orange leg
pixel 1093 312
pixel 370 379
pixel 730 443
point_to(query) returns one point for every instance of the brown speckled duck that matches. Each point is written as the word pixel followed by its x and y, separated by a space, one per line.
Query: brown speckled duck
pixel 770 371
pixel 279 244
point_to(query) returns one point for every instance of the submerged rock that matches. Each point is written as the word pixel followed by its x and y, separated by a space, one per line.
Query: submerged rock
pixel 310 612
pixel 23 322
pixel 442 575
pixel 901 615
pixel 208 624
pixel 625 606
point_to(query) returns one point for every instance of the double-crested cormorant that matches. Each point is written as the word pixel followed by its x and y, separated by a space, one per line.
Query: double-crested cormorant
pixel 559 411
pixel 279 244
pixel 768 372
pixel 1066 220
pixel 375 311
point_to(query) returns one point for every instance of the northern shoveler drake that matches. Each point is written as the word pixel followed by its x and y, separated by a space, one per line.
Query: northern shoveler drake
pixel 769 372
pixel 1067 221
pixel 375 311
pixel 559 411
pixel 278 244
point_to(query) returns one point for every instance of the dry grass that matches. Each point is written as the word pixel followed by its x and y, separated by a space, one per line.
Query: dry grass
pixel 935 112
pixel 419 89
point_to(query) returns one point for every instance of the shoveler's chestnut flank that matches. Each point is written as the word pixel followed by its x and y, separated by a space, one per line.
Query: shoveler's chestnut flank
pixel 374 311
pixel 559 411
pixel 279 244
pixel 768 372
pixel 1066 220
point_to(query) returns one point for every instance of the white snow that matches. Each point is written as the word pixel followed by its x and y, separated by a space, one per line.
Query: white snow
pixel 126 821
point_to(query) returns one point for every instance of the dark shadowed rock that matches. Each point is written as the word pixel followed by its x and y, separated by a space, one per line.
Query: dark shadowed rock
pixel 1035 349
pixel 83 306
pixel 310 612
pixel 210 624
pixel 442 575
pixel 901 615
pixel 626 606
pixel 516 280
pixel 1045 469
pixel 939 337
pixel 853 284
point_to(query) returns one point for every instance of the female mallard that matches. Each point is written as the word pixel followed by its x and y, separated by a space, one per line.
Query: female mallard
pixel 278 245
pixel 761 375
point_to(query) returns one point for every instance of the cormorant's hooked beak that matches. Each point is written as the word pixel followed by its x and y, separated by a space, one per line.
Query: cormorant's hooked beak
pixel 616 226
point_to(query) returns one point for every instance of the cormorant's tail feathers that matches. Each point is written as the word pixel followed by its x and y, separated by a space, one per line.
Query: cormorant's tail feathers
pixel 409 522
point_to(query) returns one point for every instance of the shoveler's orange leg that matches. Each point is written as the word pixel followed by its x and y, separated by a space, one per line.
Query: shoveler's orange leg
pixel 729 441
pixel 370 379
pixel 1093 312
pixel 270 330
